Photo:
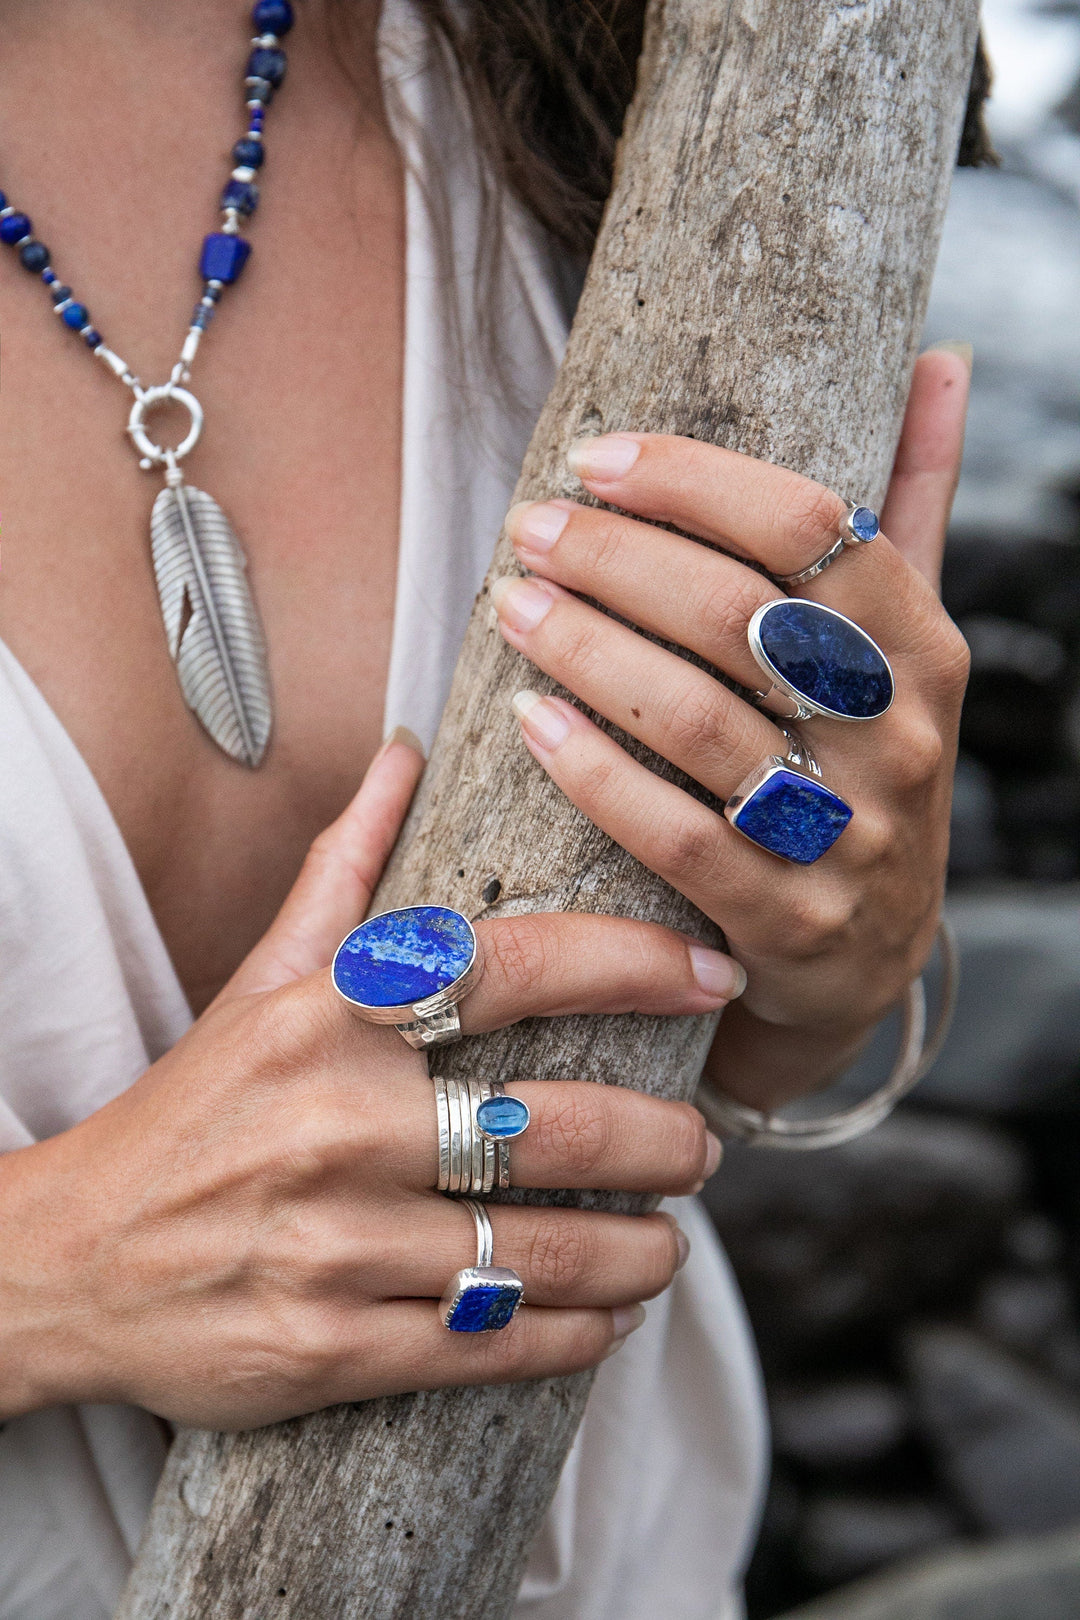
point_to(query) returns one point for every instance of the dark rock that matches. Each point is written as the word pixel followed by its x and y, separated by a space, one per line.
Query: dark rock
pixel 839 1425
pixel 1024 1313
pixel 902 1220
pixel 1036 1579
pixel 845 1536
pixel 1006 1438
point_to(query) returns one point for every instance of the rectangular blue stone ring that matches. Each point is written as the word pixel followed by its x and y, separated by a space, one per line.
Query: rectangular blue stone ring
pixel 481 1299
pixel 787 813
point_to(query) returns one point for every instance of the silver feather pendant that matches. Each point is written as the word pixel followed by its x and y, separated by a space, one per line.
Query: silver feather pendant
pixel 211 622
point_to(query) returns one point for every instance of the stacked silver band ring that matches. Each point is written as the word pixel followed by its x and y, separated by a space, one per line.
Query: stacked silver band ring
pixel 859 527
pixel 476 1123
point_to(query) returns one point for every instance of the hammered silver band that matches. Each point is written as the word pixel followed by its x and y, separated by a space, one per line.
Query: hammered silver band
pixel 848 537
pixel 435 1029
pixel 469 1163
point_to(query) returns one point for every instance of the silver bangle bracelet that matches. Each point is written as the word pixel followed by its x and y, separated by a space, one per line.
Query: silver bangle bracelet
pixel 917 1054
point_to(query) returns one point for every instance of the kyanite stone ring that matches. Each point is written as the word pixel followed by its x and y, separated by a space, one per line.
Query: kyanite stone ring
pixel 818 663
pixel 410 967
pixel 859 527
pixel 482 1298
pixel 789 813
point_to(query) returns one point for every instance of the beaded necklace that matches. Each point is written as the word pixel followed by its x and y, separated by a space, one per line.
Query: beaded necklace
pixel 212 626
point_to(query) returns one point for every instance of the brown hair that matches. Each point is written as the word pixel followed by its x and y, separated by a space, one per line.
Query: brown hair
pixel 550 82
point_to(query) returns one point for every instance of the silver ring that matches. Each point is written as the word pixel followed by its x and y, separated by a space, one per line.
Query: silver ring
pixel 784 807
pixel 500 1119
pixel 481 1298
pixel 410 967
pixel 818 662
pixel 154 454
pixel 471 1160
pixel 859 527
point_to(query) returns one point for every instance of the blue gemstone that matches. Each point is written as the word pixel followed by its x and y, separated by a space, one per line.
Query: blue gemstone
pixel 223 256
pixel 864 524
pixel 249 154
pixel 272 16
pixel 3 199
pixel 59 293
pixel 266 62
pixel 826 658
pixel 404 956
pixel 76 316
pixel 92 337
pixel 34 256
pixel 502 1117
pixel 793 816
pixel 14 228
pixel 484 1307
pixel 241 195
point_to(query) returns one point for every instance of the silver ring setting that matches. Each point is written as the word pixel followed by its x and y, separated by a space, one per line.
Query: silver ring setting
pixel 784 807
pixel 476 1123
pixel 859 527
pixel 410 967
pixel 818 662
pixel 483 1298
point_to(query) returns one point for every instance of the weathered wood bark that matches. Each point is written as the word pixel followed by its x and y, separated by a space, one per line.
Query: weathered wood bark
pixel 760 282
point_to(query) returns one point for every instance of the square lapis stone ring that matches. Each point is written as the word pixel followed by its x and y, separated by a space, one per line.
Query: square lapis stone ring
pixel 785 807
pixel 410 967
pixel 482 1298
pixel 859 527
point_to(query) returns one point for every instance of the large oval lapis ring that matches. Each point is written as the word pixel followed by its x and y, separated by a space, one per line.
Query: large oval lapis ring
pixel 410 967
pixel 818 663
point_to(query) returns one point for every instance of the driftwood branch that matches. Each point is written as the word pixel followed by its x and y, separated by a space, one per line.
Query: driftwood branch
pixel 760 282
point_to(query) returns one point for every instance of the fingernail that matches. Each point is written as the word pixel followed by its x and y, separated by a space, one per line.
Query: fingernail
pixel 610 456
pixel 683 1243
pixel 541 718
pixel 402 734
pixel 625 1318
pixel 958 346
pixel 521 603
pixel 536 527
pixel 714 1152
pixel 717 974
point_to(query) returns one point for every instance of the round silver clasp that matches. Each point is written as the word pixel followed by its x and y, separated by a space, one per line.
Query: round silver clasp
pixel 154 455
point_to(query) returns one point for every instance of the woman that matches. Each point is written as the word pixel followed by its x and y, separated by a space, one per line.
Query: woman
pixel 213 1221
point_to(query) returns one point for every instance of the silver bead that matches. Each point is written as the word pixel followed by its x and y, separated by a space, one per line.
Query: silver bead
pixel 243 174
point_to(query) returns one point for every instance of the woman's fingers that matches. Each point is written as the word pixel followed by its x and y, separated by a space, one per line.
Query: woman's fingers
pixel 580 1135
pixel 564 1257
pixel 550 964
pixel 928 457
pixel 338 877
pixel 664 701
pixel 403 1346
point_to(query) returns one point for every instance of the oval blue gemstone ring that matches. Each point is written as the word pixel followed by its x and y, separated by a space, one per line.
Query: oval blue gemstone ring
pixel 859 527
pixel 500 1118
pixel 410 967
pixel 818 663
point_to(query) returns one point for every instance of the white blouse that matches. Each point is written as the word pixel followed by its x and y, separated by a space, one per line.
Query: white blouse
pixel 658 1498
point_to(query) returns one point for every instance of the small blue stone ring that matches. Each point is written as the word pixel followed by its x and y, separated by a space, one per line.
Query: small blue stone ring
pixel 410 967
pixel 789 813
pixel 482 1298
pixel 818 663
pixel 859 527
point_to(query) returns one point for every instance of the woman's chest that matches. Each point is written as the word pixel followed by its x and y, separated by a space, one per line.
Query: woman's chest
pixel 300 378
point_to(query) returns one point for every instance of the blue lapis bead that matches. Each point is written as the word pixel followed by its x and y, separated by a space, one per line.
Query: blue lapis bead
pixel 484 1308
pixel 60 293
pixel 249 154
pixel 76 316
pixel 241 195
pixel 405 956
pixel 34 256
pixel 223 256
pixel 825 658
pixel 3 199
pixel 267 62
pixel 49 277
pixel 91 337
pixel 272 17
pixel 256 120
pixel 502 1117
pixel 793 816
pixel 864 524
pixel 14 228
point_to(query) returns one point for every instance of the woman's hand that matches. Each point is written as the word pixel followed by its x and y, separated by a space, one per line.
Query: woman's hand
pixel 250 1231
pixel 828 947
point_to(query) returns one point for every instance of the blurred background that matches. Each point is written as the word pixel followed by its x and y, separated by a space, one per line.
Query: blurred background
pixel 915 1294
